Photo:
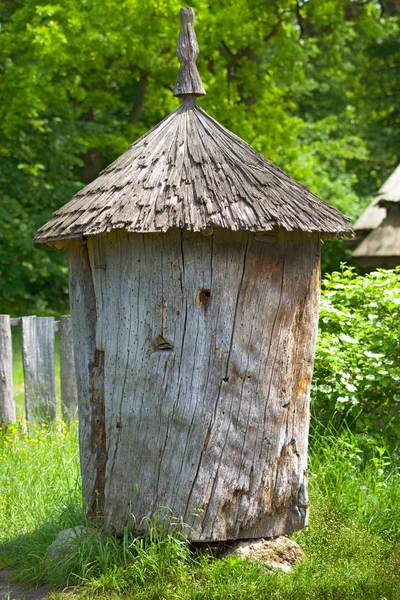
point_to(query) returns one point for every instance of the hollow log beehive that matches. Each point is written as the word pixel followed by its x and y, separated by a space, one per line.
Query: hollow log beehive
pixel 194 286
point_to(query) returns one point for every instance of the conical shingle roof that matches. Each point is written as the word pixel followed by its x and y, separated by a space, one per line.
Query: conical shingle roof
pixel 191 172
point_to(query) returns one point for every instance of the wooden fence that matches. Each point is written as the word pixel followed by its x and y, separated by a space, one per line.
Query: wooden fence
pixel 38 359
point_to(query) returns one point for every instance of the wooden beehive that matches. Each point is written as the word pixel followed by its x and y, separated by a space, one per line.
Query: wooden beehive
pixel 194 284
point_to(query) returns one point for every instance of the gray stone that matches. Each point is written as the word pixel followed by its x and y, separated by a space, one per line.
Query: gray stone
pixel 275 554
pixel 65 542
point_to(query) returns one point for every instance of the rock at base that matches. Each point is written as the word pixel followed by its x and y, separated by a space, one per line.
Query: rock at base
pixel 275 554
pixel 65 542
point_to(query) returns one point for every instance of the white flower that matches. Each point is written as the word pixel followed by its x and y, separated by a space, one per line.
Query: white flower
pixel 343 399
pixel 350 387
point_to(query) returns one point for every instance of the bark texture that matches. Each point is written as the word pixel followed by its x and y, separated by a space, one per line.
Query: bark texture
pixel 69 393
pixel 208 346
pixel 89 377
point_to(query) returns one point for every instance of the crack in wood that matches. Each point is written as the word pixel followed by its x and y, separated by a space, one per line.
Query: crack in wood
pixel 100 440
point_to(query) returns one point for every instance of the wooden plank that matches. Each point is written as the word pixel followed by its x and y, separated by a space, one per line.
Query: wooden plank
pixel 7 404
pixel 69 394
pixel 17 321
pixel 38 362
pixel 213 424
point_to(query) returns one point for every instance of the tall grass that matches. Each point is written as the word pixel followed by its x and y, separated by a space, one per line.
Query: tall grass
pixel 352 544
pixel 39 485
pixel 358 476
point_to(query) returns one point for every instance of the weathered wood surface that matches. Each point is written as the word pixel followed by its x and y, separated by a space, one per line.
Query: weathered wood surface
pixel 38 362
pixel 18 321
pixel 7 404
pixel 89 376
pixel 188 80
pixel 215 428
pixel 69 393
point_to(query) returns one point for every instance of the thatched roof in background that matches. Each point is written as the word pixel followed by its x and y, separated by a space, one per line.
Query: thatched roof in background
pixel 378 228
pixel 375 213
pixel 382 246
pixel 371 218
pixel 390 191
pixel 191 172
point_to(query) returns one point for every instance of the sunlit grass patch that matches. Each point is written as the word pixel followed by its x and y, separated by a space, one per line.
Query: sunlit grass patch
pixel 358 476
pixel 39 481
pixel 352 544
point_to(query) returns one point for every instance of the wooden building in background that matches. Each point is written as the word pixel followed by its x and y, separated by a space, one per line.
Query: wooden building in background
pixel 377 241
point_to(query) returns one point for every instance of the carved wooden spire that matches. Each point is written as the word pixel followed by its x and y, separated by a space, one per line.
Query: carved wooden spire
pixel 188 80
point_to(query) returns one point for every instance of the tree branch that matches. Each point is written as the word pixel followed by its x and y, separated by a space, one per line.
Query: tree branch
pixel 300 19
pixel 139 97
pixel 275 27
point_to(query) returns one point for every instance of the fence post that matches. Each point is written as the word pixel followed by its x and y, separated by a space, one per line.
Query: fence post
pixel 69 394
pixel 7 404
pixel 38 361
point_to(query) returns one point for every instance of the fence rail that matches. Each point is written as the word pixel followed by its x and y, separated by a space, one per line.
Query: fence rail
pixel 38 359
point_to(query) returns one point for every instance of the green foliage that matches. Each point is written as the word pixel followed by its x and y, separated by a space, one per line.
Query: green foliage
pixel 352 546
pixel 357 367
pixel 80 80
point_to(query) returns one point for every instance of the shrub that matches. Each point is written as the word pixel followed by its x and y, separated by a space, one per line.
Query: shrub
pixel 357 368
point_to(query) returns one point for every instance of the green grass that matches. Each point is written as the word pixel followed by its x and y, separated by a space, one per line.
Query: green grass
pixel 18 372
pixel 358 476
pixel 352 544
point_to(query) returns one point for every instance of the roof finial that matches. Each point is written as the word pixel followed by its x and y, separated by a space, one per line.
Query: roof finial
pixel 188 80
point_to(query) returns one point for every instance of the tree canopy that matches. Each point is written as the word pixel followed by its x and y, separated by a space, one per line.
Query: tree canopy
pixel 312 85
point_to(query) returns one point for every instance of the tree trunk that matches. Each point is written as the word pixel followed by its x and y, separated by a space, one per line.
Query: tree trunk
pixel 92 157
pixel 208 347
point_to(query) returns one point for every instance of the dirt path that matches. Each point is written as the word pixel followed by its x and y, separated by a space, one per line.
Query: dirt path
pixel 14 591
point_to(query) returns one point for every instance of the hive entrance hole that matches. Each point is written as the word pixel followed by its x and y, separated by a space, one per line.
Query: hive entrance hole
pixel 204 297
